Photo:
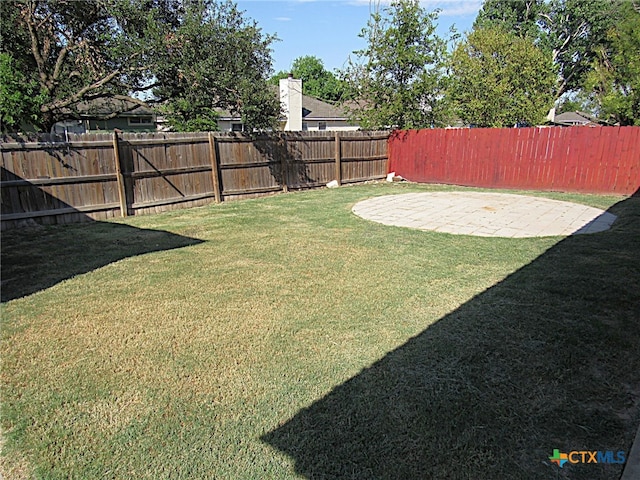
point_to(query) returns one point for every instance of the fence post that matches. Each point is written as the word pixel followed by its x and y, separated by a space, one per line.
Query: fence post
pixel 283 165
pixel 119 177
pixel 215 170
pixel 338 159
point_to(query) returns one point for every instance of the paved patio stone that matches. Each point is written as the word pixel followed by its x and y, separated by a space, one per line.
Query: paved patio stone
pixel 485 214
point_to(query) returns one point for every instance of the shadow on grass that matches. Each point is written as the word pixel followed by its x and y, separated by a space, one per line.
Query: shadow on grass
pixel 547 358
pixel 37 258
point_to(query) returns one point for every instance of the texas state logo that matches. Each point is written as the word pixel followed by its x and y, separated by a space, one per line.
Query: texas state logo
pixel 559 458
pixel 586 456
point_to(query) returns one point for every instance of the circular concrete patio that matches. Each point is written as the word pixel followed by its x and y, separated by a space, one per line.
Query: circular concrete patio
pixel 485 214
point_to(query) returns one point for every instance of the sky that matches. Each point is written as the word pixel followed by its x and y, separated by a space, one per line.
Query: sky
pixel 328 29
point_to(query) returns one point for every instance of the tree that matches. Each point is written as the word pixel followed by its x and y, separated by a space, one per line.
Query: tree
pixel 195 55
pixel 576 103
pixel 615 77
pixel 69 48
pixel 216 59
pixel 520 17
pixel 398 80
pixel 316 80
pixel 574 30
pixel 571 30
pixel 501 80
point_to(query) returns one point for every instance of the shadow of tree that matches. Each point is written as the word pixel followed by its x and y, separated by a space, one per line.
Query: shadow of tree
pixel 37 258
pixel 55 145
pixel 286 164
pixel 547 358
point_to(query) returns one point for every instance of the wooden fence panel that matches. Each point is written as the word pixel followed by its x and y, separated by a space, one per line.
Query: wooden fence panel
pixel 165 169
pixel 363 160
pixel 311 159
pixel 53 179
pixel 246 166
pixel 576 159
pixel 56 182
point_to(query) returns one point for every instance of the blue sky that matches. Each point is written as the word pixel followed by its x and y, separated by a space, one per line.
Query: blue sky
pixel 328 29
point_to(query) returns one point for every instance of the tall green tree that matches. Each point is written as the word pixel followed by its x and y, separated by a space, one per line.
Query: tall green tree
pixel 75 51
pixel 520 17
pixel 572 30
pixel 215 58
pixel 317 81
pixel 615 77
pixel 195 55
pixel 500 79
pixel 399 79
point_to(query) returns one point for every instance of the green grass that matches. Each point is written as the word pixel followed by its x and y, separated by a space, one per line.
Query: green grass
pixel 284 337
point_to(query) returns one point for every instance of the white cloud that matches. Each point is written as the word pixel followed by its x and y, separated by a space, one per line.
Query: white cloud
pixel 448 8
pixel 456 8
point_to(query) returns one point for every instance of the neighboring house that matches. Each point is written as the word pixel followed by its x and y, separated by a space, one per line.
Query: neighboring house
pixel 574 119
pixel 319 115
pixel 301 112
pixel 100 115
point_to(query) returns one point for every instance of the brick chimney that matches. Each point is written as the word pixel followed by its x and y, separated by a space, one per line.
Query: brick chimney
pixel 291 99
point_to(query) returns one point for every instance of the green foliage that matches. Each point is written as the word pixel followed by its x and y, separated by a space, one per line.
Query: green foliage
pixel 18 96
pixel 215 58
pixel 615 77
pixel 316 80
pixel 572 30
pixel 500 79
pixel 195 55
pixel 184 117
pixel 520 17
pixel 398 80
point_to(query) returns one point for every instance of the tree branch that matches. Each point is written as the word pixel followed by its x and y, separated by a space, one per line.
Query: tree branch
pixel 76 97
pixel 44 20
pixel 28 16
pixel 142 88
pixel 570 37
pixel 59 61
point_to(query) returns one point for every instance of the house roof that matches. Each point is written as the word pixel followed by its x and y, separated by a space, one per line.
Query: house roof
pixel 574 118
pixel 315 109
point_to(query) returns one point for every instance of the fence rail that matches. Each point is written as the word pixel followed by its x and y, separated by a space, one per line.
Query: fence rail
pixel 49 179
pixel 578 159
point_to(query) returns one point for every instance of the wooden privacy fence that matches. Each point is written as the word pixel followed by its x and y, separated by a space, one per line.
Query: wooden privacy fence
pixel 99 176
pixel 576 159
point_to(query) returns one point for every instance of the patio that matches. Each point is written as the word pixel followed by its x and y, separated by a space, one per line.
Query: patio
pixel 485 214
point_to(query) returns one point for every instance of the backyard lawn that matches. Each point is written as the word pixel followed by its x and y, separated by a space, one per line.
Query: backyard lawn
pixel 285 337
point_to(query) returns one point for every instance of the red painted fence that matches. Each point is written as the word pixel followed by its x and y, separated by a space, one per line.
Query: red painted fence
pixel 575 159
